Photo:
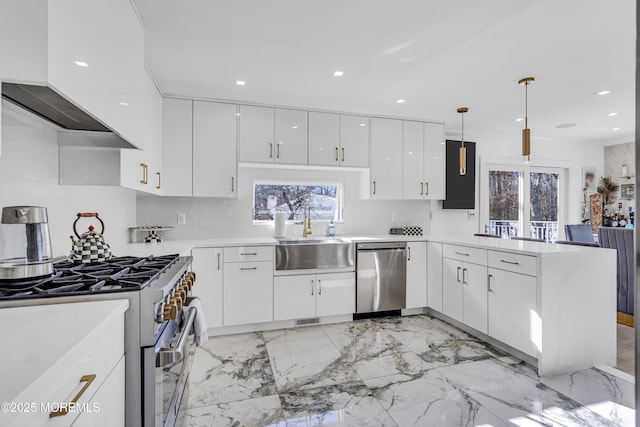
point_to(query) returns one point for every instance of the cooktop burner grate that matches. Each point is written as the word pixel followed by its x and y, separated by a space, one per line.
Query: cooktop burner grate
pixel 115 275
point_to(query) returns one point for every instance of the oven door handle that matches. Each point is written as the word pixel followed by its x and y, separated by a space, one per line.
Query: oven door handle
pixel 172 355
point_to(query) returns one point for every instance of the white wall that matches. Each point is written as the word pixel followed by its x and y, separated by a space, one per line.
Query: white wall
pixel 574 155
pixel 29 176
pixel 208 218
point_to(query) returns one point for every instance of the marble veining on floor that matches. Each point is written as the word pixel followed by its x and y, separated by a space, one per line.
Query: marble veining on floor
pixel 396 371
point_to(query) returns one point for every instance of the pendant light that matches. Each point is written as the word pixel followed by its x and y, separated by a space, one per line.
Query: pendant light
pixel 463 150
pixel 526 132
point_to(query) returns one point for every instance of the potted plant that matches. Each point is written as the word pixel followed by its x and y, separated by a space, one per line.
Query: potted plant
pixel 608 188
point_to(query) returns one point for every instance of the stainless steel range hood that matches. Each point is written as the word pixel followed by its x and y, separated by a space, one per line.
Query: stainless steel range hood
pixel 78 128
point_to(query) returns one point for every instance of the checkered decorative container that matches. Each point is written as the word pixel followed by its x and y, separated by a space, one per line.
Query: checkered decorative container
pixel 412 231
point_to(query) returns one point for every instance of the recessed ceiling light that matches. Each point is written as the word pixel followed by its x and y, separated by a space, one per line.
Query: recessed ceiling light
pixel 339 73
pixel 294 127
pixel 400 101
pixel 614 129
pixel 240 82
pixel 612 114
pixel 124 103
pixel 565 125
pixel 519 119
pixel 362 124
pixel 603 92
pixel 81 64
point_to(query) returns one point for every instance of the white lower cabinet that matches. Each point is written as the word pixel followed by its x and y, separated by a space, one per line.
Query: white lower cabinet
pixel 434 276
pixel 512 310
pixel 207 264
pixel 247 292
pixel 464 293
pixel 311 295
pixel 416 275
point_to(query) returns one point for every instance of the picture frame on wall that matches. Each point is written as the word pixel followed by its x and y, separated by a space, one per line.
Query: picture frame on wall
pixel 589 179
pixel 627 191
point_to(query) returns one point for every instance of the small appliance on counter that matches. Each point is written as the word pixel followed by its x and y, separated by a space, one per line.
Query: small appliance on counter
pixel 153 236
pixel 25 245
pixel 90 246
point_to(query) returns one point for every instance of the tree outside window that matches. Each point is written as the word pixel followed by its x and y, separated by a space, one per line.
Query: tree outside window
pixel 324 200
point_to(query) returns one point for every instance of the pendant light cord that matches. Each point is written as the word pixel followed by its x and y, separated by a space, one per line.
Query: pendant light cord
pixel 462 134
pixel 526 103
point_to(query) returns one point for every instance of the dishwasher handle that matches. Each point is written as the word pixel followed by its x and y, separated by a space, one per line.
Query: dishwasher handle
pixel 373 246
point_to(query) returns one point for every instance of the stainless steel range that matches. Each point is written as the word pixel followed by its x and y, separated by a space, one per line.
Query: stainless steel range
pixel 159 332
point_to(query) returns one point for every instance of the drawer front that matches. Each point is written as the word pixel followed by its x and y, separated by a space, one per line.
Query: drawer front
pixel 517 263
pixel 248 253
pixel 465 253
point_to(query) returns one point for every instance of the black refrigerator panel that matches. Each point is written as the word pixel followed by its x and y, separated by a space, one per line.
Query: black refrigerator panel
pixel 460 189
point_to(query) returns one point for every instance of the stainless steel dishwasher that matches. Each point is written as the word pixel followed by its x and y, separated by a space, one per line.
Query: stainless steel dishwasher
pixel 381 276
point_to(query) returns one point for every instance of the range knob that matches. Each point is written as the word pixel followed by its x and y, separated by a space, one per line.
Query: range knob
pixel 184 288
pixel 170 312
pixel 186 283
pixel 191 275
pixel 176 301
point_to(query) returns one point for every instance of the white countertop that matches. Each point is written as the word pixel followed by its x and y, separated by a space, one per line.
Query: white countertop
pixel 183 247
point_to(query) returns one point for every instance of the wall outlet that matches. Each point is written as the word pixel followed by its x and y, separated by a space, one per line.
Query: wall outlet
pixel 182 218
pixel 471 215
pixel 394 216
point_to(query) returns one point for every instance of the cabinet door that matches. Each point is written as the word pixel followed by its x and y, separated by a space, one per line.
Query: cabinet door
pixel 512 310
pixel 107 405
pixel 324 139
pixel 177 146
pixel 256 139
pixel 335 294
pixel 386 159
pixel 412 160
pixel 354 141
pixel 434 161
pixel 474 302
pixel 207 264
pixel 452 288
pixel 434 276
pixel 294 297
pixel 417 275
pixel 247 292
pixel 291 136
pixel 214 149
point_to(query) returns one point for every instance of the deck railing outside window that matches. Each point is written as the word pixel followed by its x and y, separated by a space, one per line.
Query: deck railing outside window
pixel 546 230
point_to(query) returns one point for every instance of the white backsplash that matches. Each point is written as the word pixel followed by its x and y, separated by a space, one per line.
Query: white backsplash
pixel 29 176
pixel 210 218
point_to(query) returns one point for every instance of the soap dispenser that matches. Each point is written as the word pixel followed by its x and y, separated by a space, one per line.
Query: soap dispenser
pixel 331 230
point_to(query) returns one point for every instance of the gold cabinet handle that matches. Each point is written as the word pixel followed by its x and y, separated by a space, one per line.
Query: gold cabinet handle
pixel 271 150
pixel 218 261
pixel 506 261
pixel 319 287
pixel 87 379
pixel 233 184
pixel 464 279
pixel 336 154
pixel 248 268
pixel 458 274
pixel 144 179
pixel 158 175
pixel 426 184
pixel 342 154
pixel 462 253
pixel 422 188
pixel 312 287
pixel 489 277
pixel 248 253
pixel 278 150
pixel 374 187
pixel 408 253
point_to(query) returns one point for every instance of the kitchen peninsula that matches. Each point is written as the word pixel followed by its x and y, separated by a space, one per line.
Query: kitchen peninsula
pixel 551 305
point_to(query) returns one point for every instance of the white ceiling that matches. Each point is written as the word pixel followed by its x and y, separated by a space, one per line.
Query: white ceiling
pixel 436 55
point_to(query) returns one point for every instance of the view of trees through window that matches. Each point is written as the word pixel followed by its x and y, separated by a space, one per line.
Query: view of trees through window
pixel 504 199
pixel 544 196
pixel 322 199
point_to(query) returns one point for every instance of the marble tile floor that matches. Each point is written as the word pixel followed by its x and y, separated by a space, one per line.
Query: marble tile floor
pixel 397 371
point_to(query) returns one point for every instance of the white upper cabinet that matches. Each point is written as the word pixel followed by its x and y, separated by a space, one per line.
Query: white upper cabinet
pixel 386 159
pixel 354 140
pixel 214 149
pixel 434 161
pixel 324 139
pixel 256 139
pixel 290 136
pixel 177 147
pixel 423 161
pixel 412 160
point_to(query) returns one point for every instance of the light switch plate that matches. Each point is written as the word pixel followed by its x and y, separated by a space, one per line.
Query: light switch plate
pixel 182 218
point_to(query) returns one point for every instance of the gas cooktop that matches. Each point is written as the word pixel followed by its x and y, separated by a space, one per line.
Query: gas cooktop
pixel 115 275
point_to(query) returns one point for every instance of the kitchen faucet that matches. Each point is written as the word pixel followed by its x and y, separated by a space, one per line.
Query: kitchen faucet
pixel 306 224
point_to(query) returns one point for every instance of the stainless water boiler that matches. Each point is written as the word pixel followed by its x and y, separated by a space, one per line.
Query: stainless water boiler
pixel 25 245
